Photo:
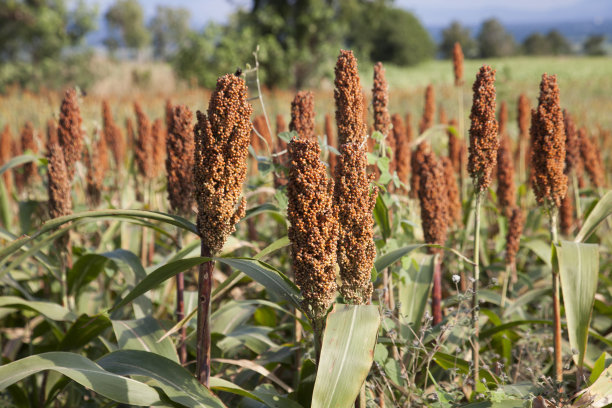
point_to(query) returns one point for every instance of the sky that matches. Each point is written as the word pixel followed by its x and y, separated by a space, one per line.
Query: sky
pixel 431 12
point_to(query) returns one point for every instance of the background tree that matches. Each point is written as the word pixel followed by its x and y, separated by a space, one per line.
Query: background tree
pixel 125 20
pixel 594 45
pixel 455 32
pixel 559 45
pixel 494 40
pixel 169 28
pixel 34 36
pixel 537 44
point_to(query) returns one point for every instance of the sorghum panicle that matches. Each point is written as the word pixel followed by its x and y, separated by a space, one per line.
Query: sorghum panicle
pixel 349 100
pixel 429 112
pixel 143 147
pixel 591 159
pixel 355 201
pixel 51 134
pixel 458 64
pixel 303 115
pixel 70 132
pixel 380 100
pixel 548 145
pixel 28 143
pixel 416 160
pixel 158 138
pixel 454 145
pixel 433 198
pixel 220 168
pixel 506 189
pixel 513 236
pixel 113 135
pixel 452 192
pixel 313 231
pixel 60 200
pixel 572 143
pixel 97 163
pixel 180 148
pixel 400 149
pixel 566 215
pixel 483 130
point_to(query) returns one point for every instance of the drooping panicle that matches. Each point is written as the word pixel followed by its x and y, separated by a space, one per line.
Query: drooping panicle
pixel 303 115
pixel 429 112
pixel 355 201
pixel 483 130
pixel 591 159
pixel 349 100
pixel 60 200
pixel 513 236
pixel 380 100
pixel 432 198
pixel 313 232
pixel 548 145
pixel 506 189
pixel 143 147
pixel 70 132
pixel 180 147
pixel 458 64
pixel 114 138
pixel 220 167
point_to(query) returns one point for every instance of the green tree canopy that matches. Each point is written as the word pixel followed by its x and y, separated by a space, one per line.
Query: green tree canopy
pixel 594 45
pixel 454 33
pixel 169 28
pixel 125 20
pixel 494 40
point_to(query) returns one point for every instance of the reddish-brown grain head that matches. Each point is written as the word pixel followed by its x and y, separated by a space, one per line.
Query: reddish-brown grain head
pixel 96 162
pixel 429 112
pixel 28 143
pixel 112 133
pixel 380 100
pixel 313 230
pixel 452 192
pixel 483 130
pixel 158 138
pixel 524 112
pixel 566 215
pixel 60 200
pixel 70 132
pixel 548 145
pixel 180 148
pixel 143 148
pixel 506 189
pixel 400 150
pixel 572 143
pixel 303 115
pixel 349 100
pixel 458 64
pixel 591 159
pixel 513 236
pixel 220 168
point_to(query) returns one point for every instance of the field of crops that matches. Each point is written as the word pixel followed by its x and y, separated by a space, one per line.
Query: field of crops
pixel 437 236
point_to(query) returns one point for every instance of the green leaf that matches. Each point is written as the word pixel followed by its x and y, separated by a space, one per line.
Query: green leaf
pixel 579 270
pixel 599 366
pixel 272 401
pixel 599 394
pixel 85 269
pixel 449 361
pixel 144 334
pixel 287 136
pixel 18 161
pixel 381 215
pixel 271 278
pixel 600 212
pixel 5 207
pixel 125 214
pixel 176 382
pixel 413 287
pixel 390 258
pixel 49 310
pixel 541 248
pixel 160 275
pixel 83 371
pixel 83 330
pixel 346 355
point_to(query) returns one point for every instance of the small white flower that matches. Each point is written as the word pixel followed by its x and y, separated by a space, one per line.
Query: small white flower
pixel 456 278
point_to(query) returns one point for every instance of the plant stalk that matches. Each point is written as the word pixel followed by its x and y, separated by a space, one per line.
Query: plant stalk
pixel 556 304
pixel 476 277
pixel 203 338
pixel 436 292
pixel 180 303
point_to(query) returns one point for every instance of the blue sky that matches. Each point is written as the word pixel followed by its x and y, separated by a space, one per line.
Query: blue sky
pixel 431 12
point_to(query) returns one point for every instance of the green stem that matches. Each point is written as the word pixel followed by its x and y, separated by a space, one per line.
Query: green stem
pixel 556 304
pixel 576 196
pixel 476 277
pixel 203 339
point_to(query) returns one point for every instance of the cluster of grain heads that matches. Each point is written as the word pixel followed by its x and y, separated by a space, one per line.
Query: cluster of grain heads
pixel 435 216
pixel 458 64
pixel 114 137
pixel 180 148
pixel 482 159
pixel 353 197
pixel 220 168
pixel 380 100
pixel 303 115
pixel 402 151
pixel 143 145
pixel 313 232
pixel 429 112
pixel 96 161
pixel 549 180
pixel 6 152
pixel 69 131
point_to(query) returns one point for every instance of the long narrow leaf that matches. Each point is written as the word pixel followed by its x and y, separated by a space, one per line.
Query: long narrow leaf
pixel 602 210
pixel 346 355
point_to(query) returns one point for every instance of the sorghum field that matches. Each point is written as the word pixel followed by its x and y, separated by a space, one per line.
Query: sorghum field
pixel 438 236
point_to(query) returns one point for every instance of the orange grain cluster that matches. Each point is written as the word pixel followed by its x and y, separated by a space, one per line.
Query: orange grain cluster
pixel 113 135
pixel 506 189
pixel 70 132
pixel 458 64
pixel 350 109
pixel 180 148
pixel 380 100
pixel 303 115
pixel 143 146
pixel 429 113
